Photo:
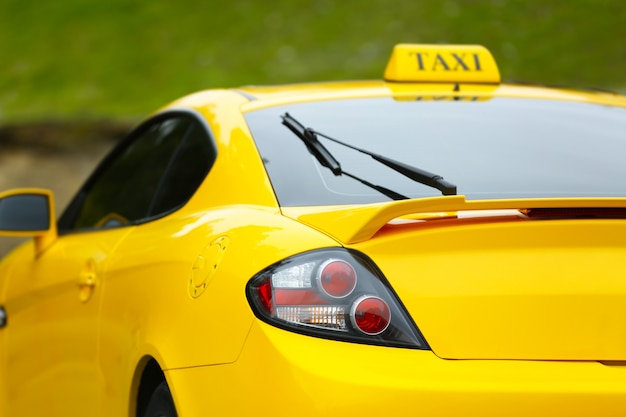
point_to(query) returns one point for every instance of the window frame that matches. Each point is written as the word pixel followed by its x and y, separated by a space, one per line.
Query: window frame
pixel 69 216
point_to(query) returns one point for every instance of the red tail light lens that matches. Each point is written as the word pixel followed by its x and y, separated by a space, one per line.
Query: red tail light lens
pixel 371 315
pixel 264 293
pixel 333 293
pixel 337 278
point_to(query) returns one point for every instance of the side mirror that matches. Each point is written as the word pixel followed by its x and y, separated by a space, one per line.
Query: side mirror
pixel 29 212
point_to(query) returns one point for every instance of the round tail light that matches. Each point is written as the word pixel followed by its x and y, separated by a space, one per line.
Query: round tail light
pixel 371 315
pixel 337 278
pixel 332 293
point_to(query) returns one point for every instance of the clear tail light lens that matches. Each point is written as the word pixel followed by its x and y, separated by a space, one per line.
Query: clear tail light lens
pixel 336 294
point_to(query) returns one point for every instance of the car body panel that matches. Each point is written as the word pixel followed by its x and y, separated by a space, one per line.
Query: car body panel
pixel 238 175
pixel 493 286
pixel 270 96
pixel 294 374
pixel 51 342
pixel 150 308
pixel 510 288
pixel 354 224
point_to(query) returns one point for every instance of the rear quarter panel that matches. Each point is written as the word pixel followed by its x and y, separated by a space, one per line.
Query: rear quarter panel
pixel 149 307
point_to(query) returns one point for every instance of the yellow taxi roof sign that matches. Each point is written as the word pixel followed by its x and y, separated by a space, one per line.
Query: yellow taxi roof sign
pixel 442 63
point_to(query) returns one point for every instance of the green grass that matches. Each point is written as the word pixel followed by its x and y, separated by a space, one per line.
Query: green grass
pixel 121 59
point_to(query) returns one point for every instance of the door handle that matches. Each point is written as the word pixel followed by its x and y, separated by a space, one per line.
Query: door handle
pixel 86 282
pixel 86 279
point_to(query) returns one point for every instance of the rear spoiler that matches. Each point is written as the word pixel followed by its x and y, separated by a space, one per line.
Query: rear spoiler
pixel 353 224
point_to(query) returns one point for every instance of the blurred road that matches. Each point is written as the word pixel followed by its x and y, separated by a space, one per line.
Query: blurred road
pixel 60 170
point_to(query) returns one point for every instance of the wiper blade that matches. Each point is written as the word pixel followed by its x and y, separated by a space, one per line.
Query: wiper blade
pixel 326 158
pixel 383 190
pixel 416 174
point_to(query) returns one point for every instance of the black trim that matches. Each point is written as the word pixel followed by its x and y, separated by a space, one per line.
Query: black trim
pixel 246 95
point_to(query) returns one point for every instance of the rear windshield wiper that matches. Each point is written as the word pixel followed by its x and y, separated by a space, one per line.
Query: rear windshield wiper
pixel 309 137
pixel 325 158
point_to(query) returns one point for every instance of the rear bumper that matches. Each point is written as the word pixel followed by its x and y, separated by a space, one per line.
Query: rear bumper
pixel 285 374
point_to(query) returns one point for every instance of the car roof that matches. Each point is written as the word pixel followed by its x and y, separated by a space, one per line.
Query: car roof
pixel 413 72
pixel 269 96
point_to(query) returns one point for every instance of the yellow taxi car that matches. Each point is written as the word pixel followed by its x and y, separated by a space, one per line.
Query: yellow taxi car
pixel 435 243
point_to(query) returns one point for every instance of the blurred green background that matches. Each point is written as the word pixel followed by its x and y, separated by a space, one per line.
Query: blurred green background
pixel 122 59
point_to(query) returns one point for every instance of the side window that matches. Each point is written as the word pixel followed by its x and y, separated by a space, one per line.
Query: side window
pixel 155 171
pixel 188 168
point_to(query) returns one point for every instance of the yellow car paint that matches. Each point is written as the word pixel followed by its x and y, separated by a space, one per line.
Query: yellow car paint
pixel 355 224
pixel 321 378
pixel 88 311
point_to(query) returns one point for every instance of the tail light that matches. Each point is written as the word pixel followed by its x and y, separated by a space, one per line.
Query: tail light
pixel 335 294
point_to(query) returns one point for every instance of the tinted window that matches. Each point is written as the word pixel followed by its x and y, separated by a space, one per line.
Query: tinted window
pixel 499 148
pixel 188 168
pixel 152 173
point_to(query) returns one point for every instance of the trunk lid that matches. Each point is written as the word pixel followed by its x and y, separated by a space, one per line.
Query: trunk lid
pixel 500 285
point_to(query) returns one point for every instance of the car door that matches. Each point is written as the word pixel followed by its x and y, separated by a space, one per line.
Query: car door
pixel 52 300
pixel 50 338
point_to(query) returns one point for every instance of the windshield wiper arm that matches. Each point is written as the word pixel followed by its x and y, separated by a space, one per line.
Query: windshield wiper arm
pixel 309 138
pixel 326 158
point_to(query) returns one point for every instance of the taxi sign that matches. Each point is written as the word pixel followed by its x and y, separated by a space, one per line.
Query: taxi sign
pixel 442 63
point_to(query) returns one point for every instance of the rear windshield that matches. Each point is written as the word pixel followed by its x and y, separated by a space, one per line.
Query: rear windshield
pixel 490 149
